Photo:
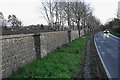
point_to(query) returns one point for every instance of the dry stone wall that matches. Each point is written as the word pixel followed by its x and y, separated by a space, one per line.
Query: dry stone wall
pixel 51 40
pixel 18 50
pixel 0 58
pixel 74 35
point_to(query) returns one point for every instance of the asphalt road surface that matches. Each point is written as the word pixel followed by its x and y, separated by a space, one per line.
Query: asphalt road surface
pixel 108 47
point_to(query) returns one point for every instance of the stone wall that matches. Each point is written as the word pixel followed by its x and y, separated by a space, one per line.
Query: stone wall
pixel 51 40
pixel 0 59
pixel 18 50
pixel 82 33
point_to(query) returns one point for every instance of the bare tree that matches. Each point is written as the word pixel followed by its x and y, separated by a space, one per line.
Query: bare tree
pixel 71 12
pixel 67 9
pixel 14 22
pixel 80 12
pixel 93 23
pixel 62 16
pixel 2 20
pixel 57 11
pixel 49 10
pixel 118 11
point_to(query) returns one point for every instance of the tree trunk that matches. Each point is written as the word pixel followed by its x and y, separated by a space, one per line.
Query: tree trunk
pixel 78 25
pixel 69 15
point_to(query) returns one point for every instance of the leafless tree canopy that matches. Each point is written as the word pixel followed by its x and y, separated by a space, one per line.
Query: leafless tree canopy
pixel 72 13
pixel 14 22
pixel 2 20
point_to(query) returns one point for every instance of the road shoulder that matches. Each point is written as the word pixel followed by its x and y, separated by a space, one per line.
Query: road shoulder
pixel 93 67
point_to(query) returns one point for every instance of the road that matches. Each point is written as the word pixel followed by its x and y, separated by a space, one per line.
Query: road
pixel 108 48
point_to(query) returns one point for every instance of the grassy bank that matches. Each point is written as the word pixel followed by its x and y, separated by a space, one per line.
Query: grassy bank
pixel 65 62
pixel 115 33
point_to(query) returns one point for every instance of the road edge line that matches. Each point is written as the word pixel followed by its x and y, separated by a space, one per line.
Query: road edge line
pixel 113 36
pixel 107 72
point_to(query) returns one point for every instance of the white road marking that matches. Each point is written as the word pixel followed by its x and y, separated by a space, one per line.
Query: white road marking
pixel 107 72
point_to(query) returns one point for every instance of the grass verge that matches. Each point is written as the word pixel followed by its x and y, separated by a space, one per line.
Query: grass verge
pixel 65 62
pixel 115 33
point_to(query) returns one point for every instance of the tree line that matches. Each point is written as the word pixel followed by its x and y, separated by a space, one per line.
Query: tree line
pixel 114 24
pixel 78 15
pixel 73 13
pixel 12 21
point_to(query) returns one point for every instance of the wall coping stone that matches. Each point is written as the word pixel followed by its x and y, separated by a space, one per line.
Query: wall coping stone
pixel 2 37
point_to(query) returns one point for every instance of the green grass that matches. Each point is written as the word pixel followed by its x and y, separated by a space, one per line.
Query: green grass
pixel 115 33
pixel 65 62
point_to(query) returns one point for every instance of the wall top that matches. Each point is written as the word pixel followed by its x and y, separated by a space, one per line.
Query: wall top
pixel 15 36
pixel 27 35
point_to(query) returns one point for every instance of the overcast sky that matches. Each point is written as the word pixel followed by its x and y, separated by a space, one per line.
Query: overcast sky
pixel 28 11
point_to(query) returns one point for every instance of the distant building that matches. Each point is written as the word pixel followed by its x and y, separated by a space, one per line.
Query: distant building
pixel 118 14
